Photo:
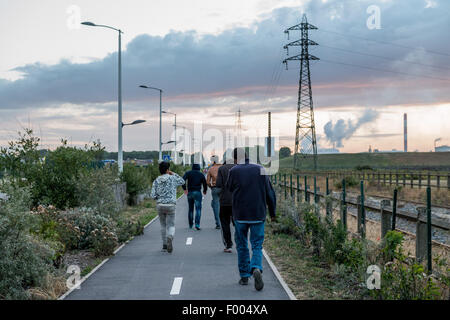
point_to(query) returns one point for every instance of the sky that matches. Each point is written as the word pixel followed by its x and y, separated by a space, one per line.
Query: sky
pixel 213 58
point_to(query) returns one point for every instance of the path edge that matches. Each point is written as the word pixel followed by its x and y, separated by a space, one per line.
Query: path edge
pixel 278 275
pixel 106 260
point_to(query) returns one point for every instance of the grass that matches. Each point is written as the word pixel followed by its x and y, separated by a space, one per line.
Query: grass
pixel 413 160
pixel 307 277
pixel 439 197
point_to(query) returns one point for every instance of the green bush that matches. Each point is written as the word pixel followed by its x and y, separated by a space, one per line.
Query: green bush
pixel 136 178
pixel 128 228
pixel 94 189
pixel 25 260
pixel 104 241
pixel 350 181
pixel 86 221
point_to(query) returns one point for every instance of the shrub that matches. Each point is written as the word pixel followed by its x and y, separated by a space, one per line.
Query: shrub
pixel 94 189
pixel 128 228
pixel 24 259
pixel 104 241
pixel 136 179
pixel 57 181
pixel 86 221
pixel 350 181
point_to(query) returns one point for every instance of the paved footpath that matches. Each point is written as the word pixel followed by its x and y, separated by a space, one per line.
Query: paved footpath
pixel 197 269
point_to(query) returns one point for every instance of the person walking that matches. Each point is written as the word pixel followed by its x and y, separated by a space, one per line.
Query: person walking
pixel 211 178
pixel 251 191
pixel 195 179
pixel 164 190
pixel 226 216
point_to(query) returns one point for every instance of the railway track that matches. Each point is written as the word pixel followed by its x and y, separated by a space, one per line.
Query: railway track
pixel 401 213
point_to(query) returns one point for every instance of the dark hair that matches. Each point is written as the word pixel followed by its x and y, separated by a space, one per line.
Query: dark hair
pixel 163 167
pixel 240 154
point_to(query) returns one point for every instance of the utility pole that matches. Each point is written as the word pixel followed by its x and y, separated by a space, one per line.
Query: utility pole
pixel 238 125
pixel 305 129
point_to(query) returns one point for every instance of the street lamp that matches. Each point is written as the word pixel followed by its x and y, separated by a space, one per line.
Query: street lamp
pixel 160 116
pixel 176 153
pixel 119 125
pixel 133 123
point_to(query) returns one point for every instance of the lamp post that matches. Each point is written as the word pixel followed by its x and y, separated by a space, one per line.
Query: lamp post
pixel 160 117
pixel 133 123
pixel 120 151
pixel 176 152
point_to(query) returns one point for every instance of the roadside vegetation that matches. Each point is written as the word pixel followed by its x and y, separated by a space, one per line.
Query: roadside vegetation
pixel 62 210
pixel 321 260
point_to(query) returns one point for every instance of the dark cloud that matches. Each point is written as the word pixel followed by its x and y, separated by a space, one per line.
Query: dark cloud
pixel 241 62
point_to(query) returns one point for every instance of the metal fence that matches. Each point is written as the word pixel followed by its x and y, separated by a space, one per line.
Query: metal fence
pixel 304 189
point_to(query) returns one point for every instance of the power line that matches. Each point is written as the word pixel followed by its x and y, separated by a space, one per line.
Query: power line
pixel 384 58
pixel 386 43
pixel 384 70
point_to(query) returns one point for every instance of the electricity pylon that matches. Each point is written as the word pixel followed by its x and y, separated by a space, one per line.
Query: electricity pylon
pixel 305 132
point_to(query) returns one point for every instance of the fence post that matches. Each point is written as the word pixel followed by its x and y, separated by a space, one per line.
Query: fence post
pixel 344 206
pixel 328 203
pixel 386 221
pixel 420 180
pixel 411 179
pixel 404 179
pixel 306 190
pixel 378 174
pixel 358 216
pixel 285 187
pixel 298 189
pixel 363 212
pixel 428 180
pixel 438 181
pixel 394 210
pixel 396 178
pixel 429 243
pixel 292 190
pixel 315 189
pixel 390 178
pixel 421 234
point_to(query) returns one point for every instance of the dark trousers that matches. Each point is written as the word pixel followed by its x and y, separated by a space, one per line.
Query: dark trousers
pixel 194 198
pixel 226 217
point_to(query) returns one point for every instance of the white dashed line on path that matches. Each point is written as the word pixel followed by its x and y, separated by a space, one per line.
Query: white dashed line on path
pixel 176 286
pixel 189 241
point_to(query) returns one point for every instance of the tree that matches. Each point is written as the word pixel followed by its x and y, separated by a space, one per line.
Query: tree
pixel 285 152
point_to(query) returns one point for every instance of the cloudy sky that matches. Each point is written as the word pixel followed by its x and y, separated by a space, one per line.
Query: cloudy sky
pixel 213 57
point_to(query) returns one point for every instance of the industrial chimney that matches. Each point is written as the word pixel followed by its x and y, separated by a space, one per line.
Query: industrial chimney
pixel 405 132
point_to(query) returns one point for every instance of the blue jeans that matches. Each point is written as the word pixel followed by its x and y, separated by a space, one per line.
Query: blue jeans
pixel 246 265
pixel 215 204
pixel 194 198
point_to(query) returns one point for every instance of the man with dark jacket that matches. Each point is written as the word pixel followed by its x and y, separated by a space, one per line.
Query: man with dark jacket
pixel 251 190
pixel 195 180
pixel 225 212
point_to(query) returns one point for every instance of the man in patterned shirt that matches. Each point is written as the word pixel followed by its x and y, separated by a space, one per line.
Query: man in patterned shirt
pixel 164 190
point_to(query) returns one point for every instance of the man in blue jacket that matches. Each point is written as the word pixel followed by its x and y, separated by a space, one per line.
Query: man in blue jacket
pixel 195 180
pixel 251 191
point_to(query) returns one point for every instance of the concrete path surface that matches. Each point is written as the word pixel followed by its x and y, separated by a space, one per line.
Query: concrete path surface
pixel 197 269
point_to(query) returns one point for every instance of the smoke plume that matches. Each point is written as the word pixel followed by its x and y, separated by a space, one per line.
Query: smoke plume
pixel 343 130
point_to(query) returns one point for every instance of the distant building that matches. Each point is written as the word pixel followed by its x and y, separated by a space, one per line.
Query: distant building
pixel 442 149
pixel 327 150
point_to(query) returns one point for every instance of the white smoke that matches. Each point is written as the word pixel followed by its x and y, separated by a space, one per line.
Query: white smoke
pixel 343 130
